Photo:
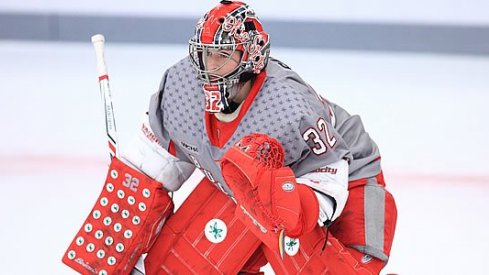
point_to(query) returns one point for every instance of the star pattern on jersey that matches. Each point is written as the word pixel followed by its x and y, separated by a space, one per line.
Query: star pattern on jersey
pixel 277 110
pixel 183 99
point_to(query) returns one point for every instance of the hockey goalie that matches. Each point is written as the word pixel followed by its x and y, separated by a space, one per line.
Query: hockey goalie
pixel 291 179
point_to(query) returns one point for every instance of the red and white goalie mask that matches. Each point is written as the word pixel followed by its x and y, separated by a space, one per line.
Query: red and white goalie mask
pixel 228 47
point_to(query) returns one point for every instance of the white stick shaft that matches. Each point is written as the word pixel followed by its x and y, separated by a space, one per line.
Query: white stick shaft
pixel 98 42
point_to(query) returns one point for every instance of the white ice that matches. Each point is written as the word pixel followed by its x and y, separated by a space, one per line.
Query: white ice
pixel 426 112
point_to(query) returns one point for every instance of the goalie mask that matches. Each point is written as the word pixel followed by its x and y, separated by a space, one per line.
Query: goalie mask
pixel 229 47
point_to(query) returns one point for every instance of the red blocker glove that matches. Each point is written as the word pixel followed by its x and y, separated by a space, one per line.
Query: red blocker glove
pixel 123 224
pixel 270 202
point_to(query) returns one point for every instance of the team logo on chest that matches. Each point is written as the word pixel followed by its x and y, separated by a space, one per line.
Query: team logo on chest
pixel 215 231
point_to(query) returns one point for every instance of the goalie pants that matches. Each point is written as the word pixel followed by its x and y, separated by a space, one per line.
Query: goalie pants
pixel 364 229
pixel 369 219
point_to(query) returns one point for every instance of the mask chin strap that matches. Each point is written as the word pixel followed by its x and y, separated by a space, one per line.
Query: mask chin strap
pixel 224 95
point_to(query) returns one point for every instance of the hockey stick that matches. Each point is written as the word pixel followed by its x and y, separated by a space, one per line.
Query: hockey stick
pixel 98 42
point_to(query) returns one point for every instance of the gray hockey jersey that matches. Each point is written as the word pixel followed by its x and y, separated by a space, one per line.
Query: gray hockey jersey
pixel 313 131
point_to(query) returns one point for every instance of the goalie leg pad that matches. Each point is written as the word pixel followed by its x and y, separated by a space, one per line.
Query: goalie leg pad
pixel 305 256
pixel 122 225
pixel 254 264
pixel 202 237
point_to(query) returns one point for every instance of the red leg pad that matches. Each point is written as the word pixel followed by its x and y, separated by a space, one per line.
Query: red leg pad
pixel 305 256
pixel 255 263
pixel 202 237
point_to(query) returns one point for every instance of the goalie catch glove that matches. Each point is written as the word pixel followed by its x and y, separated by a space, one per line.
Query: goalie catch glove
pixel 270 202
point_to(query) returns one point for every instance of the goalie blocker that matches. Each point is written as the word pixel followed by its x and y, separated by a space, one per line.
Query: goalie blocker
pixel 122 225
